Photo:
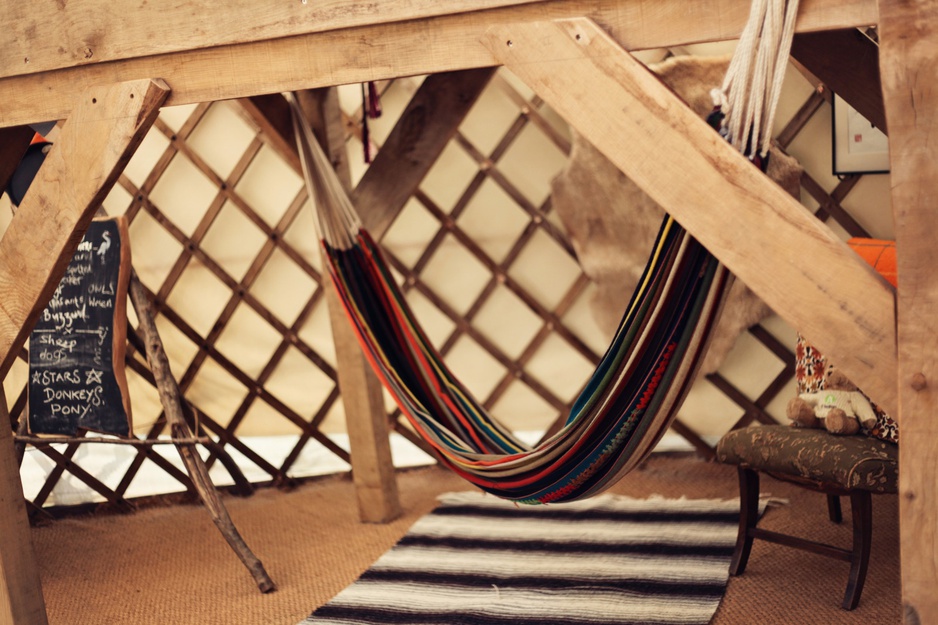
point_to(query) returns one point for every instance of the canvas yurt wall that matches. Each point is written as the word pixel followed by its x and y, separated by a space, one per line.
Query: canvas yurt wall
pixel 223 238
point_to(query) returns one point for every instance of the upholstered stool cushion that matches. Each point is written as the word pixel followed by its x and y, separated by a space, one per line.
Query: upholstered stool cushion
pixel 852 462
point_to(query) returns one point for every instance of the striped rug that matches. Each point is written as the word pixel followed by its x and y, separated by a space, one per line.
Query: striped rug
pixel 478 560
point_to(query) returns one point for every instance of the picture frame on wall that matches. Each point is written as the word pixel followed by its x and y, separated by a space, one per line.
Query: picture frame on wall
pixel 859 147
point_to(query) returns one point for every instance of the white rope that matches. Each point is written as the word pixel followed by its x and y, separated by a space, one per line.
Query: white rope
pixel 336 220
pixel 753 83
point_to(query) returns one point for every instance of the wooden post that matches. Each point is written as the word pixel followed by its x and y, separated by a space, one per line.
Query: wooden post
pixel 791 260
pixel 21 600
pixel 365 416
pixel 908 49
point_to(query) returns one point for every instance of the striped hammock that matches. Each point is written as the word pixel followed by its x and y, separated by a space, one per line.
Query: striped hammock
pixel 624 409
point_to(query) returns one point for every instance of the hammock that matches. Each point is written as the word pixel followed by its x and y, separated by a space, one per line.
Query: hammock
pixel 622 412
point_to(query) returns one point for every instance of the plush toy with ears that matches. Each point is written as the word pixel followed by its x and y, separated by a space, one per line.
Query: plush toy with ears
pixel 839 408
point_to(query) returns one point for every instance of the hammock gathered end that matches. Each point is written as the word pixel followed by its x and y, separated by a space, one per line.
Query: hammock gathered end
pixel 753 84
pixel 635 392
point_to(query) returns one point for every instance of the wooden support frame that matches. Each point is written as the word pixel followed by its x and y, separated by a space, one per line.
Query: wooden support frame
pixel 21 599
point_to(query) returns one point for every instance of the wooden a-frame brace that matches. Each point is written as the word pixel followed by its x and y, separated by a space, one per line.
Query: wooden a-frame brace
pixel 405 38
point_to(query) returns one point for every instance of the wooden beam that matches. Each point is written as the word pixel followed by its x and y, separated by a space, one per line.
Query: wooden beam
pixel 908 49
pixel 271 113
pixel 426 126
pixel 14 142
pixel 66 34
pixel 21 601
pixel 92 149
pixel 847 61
pixel 422 45
pixel 770 241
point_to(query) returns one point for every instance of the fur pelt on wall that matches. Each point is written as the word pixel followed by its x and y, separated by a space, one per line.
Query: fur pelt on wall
pixel 612 223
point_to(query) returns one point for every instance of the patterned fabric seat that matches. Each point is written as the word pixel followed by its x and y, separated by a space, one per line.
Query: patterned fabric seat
pixel 854 466
pixel 851 462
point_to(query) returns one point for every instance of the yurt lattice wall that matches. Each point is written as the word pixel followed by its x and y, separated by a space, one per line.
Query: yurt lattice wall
pixel 224 241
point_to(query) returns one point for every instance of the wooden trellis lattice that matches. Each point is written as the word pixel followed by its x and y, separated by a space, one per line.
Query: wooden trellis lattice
pixel 278 236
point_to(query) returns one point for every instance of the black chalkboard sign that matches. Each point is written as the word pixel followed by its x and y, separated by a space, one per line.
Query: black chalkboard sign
pixel 76 351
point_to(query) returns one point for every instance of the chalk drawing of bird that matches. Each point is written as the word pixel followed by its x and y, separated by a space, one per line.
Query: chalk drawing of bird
pixel 102 249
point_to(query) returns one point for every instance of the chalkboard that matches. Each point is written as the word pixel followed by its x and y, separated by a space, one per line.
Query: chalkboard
pixel 76 351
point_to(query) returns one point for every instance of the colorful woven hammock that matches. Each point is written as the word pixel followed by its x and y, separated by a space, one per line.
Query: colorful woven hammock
pixel 622 412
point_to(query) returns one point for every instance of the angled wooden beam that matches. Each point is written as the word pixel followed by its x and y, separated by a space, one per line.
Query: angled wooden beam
pixel 92 149
pixel 423 130
pixel 770 241
pixel 847 61
pixel 425 127
pixel 428 43
pixel 14 142
pixel 908 49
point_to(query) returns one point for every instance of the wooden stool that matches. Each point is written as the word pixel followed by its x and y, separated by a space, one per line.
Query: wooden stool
pixel 854 466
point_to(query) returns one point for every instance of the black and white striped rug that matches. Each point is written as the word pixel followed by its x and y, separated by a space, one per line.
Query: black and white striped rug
pixel 478 560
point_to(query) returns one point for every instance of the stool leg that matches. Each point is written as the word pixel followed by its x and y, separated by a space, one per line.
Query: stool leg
pixel 861 505
pixel 833 509
pixel 748 515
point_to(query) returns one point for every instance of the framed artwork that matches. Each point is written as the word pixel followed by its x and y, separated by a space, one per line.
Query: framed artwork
pixel 858 146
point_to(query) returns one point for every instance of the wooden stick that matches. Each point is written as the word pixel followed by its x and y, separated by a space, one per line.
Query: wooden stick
pixel 136 442
pixel 170 398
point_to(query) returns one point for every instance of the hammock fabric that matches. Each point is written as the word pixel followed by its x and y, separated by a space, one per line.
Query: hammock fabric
pixel 624 409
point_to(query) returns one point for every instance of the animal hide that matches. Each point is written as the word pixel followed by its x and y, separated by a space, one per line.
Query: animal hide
pixel 612 223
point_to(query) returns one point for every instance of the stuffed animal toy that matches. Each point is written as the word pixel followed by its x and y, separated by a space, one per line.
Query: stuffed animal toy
pixel 839 407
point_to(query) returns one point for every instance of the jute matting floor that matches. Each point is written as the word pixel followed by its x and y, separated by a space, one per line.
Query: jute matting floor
pixel 170 565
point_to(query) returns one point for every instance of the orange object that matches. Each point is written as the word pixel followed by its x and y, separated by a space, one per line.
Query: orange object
pixel 880 254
